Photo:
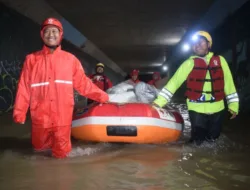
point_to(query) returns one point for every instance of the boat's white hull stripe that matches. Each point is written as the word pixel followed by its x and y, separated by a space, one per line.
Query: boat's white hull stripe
pixel 145 121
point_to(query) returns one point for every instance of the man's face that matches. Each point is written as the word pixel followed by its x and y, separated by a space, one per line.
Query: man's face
pixel 201 47
pixel 51 36
pixel 155 77
pixel 99 70
pixel 134 77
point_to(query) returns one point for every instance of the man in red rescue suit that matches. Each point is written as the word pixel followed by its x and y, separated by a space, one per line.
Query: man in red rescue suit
pixel 46 86
pixel 155 77
pixel 99 79
pixel 209 81
pixel 134 76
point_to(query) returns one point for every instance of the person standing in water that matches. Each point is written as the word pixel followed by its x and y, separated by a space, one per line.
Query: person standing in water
pixel 100 80
pixel 209 81
pixel 46 85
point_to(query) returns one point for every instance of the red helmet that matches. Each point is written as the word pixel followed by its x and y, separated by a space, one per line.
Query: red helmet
pixel 53 22
pixel 134 72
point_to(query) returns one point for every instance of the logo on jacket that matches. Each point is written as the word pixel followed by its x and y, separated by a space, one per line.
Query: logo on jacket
pixel 98 78
pixel 215 62
pixel 199 100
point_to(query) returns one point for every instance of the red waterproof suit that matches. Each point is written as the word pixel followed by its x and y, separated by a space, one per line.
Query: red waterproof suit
pixel 46 85
pixel 101 81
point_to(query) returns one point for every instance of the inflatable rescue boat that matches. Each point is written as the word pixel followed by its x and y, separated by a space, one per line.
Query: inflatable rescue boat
pixel 130 123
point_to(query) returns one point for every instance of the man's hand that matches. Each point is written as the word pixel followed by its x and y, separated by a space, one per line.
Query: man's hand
pixel 107 102
pixel 18 121
pixel 233 114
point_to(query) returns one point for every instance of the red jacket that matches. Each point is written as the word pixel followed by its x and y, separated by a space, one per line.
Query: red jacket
pixel 101 81
pixel 46 85
pixel 196 79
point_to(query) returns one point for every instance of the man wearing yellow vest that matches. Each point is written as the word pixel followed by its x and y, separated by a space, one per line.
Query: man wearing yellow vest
pixel 209 81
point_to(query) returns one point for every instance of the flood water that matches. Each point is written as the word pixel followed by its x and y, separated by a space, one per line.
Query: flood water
pixel 223 165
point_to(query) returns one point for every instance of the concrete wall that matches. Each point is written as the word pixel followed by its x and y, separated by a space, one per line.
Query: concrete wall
pixel 18 37
pixel 242 72
pixel 233 42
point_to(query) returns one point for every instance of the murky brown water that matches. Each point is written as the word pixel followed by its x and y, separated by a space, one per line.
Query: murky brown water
pixel 223 165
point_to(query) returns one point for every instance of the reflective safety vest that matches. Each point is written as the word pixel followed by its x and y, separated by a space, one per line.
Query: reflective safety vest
pixel 197 77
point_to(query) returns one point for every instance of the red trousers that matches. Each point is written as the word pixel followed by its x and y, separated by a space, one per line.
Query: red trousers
pixel 55 138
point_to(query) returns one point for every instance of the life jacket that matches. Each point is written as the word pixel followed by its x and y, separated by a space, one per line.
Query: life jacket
pixel 197 78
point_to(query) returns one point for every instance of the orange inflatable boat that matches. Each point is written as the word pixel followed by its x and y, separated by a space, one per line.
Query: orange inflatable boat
pixel 130 122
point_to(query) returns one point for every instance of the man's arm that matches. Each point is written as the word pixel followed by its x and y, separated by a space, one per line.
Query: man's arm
pixel 174 83
pixel 85 86
pixel 229 87
pixel 22 100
